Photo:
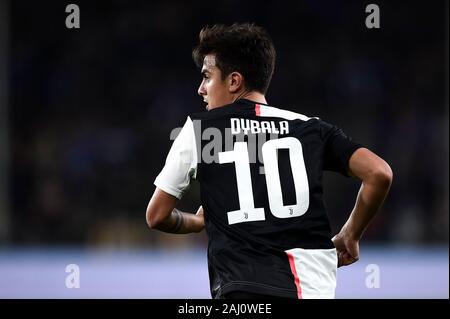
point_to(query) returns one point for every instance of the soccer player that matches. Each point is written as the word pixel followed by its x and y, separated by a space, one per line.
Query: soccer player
pixel 260 173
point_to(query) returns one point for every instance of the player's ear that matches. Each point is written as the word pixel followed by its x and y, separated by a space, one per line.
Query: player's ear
pixel 236 82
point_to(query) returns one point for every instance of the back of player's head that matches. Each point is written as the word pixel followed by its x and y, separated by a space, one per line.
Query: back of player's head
pixel 241 47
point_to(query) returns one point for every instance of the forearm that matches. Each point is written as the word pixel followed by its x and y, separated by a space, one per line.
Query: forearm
pixel 179 222
pixel 370 197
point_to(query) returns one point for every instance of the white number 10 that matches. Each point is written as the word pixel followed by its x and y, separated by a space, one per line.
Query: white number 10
pixel 247 211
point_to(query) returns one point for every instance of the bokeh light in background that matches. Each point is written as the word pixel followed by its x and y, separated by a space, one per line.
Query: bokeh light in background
pixel 86 116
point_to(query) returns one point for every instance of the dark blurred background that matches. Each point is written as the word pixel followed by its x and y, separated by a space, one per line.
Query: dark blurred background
pixel 87 113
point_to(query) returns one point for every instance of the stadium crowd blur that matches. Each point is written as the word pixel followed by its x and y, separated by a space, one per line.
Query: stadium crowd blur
pixel 91 110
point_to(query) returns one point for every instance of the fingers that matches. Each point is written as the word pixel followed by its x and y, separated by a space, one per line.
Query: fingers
pixel 345 259
pixel 347 250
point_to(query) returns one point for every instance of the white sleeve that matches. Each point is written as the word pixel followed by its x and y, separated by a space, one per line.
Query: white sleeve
pixel 181 163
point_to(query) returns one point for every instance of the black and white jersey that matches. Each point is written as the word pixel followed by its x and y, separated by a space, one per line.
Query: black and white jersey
pixel 260 173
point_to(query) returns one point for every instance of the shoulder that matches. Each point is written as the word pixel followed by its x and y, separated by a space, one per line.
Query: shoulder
pixel 271 111
pixel 217 113
pixel 198 116
pixel 298 120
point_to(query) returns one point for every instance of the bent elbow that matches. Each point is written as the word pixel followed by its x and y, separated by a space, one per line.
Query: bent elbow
pixel 384 175
pixel 152 219
pixel 159 209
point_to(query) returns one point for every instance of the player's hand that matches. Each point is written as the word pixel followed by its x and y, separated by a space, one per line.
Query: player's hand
pixel 347 248
pixel 201 218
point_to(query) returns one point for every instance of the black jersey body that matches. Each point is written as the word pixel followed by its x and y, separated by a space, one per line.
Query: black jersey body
pixel 250 255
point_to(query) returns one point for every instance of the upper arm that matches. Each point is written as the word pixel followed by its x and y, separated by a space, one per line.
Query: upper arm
pixel 338 148
pixel 366 165
pixel 181 163
pixel 174 179
pixel 160 207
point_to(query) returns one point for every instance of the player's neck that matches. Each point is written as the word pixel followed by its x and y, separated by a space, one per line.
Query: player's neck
pixel 252 96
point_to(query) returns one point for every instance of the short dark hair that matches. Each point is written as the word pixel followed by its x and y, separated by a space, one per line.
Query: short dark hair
pixel 242 47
